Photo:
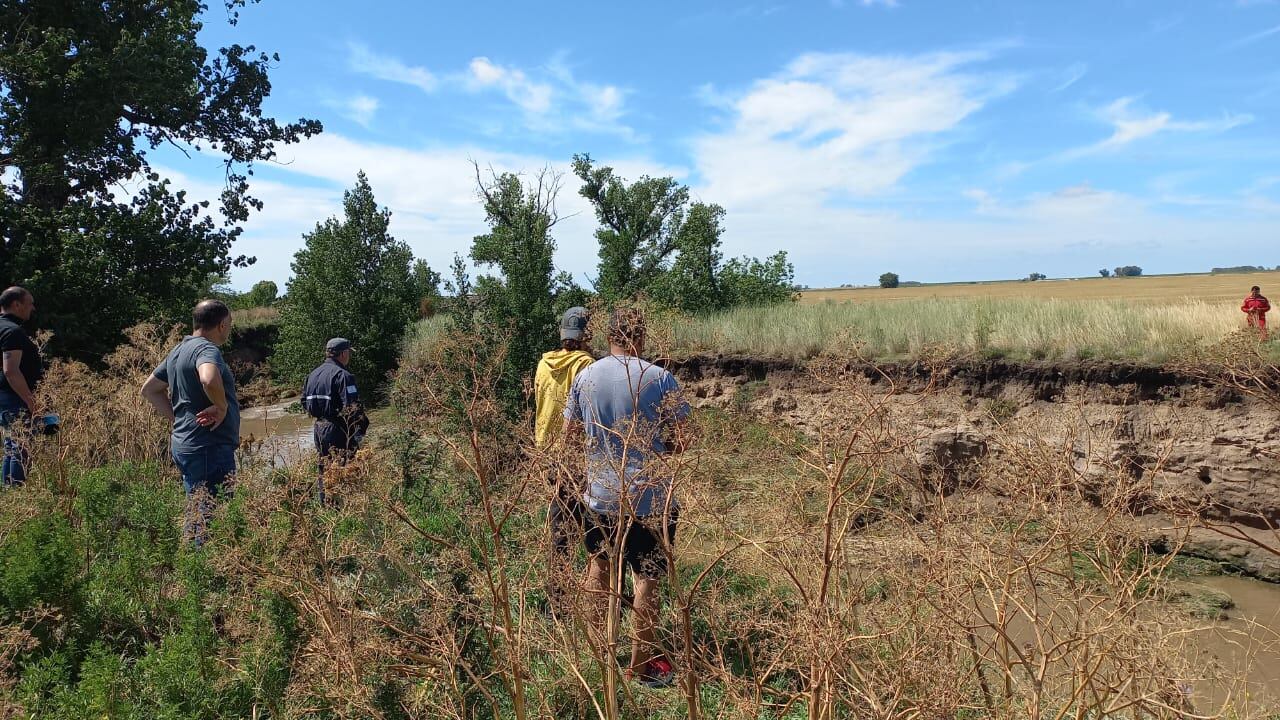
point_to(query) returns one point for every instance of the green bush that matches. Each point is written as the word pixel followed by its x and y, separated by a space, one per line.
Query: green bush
pixel 352 280
pixel 120 611
pixel 39 565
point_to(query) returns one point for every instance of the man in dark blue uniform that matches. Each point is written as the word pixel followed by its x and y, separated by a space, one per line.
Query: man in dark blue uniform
pixel 330 396
pixel 22 372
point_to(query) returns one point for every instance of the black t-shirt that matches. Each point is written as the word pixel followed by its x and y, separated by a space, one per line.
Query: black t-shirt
pixel 13 337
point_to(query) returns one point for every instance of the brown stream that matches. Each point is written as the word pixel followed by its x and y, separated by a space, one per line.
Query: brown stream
pixel 1245 645
pixel 284 437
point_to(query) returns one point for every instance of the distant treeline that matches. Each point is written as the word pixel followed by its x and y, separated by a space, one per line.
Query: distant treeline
pixel 1241 269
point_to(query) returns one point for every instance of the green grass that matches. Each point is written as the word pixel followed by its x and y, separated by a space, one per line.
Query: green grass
pixel 1024 329
pixel 253 318
pixel 1018 329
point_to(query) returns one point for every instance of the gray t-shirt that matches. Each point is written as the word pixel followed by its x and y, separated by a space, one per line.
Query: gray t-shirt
pixel 627 405
pixel 187 395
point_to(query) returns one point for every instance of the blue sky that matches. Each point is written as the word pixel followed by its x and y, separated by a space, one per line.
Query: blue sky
pixel 939 140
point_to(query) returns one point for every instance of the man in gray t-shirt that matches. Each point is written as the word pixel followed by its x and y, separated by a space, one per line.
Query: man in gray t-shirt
pixel 196 391
pixel 630 414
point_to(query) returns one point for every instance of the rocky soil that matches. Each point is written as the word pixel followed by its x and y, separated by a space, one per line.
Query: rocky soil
pixel 1184 440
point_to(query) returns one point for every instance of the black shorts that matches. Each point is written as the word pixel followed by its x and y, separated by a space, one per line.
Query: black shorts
pixel 641 548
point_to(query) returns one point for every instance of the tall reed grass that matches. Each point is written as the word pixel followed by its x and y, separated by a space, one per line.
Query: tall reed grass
pixel 1016 329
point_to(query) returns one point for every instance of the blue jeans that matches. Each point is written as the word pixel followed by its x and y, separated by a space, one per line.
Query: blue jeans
pixel 16 428
pixel 204 472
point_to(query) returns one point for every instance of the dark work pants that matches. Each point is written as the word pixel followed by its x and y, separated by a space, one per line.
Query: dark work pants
pixel 564 517
pixel 335 443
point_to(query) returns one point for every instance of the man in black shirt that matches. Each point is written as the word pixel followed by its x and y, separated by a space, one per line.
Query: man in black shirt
pixel 331 397
pixel 22 371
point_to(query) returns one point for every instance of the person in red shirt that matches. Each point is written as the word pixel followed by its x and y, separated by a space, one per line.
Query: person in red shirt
pixel 1256 307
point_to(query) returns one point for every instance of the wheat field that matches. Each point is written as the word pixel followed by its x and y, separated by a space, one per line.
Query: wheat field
pixel 1223 288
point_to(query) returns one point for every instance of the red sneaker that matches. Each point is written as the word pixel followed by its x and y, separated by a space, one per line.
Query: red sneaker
pixel 657 673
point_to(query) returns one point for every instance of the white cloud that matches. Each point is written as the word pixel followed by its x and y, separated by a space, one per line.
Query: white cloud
pixel 1254 37
pixel 1130 124
pixel 529 96
pixel 551 99
pixel 1071 76
pixel 1068 231
pixel 1069 204
pixel 793 150
pixel 431 193
pixel 832 124
pixel 384 67
pixel 432 196
pixel 360 109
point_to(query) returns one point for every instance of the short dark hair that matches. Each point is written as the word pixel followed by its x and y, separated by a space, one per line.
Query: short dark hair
pixel 13 296
pixel 1255 288
pixel 626 326
pixel 570 344
pixel 209 314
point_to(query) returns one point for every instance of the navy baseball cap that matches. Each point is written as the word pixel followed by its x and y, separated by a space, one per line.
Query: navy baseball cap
pixel 337 345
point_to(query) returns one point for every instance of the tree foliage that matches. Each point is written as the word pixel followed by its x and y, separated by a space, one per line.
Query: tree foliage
pixel 426 284
pixel 1104 272
pixel 889 280
pixel 1238 269
pixel 1127 271
pixel 352 280
pixel 87 89
pixel 653 241
pixel 263 294
pixel 640 226
pixel 519 301
pixel 694 284
pixel 1035 276
pixel 749 281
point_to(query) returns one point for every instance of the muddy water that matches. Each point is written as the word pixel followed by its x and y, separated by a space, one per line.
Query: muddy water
pixel 278 436
pixel 1246 644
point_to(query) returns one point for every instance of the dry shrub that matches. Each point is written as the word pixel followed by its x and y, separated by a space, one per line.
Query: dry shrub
pixel 104 419
pixel 826 577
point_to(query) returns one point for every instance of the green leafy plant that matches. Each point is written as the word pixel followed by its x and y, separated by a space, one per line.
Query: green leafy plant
pixel 351 280
pixel 76 124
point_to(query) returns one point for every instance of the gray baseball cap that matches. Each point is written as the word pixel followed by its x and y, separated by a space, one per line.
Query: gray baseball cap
pixel 337 345
pixel 573 326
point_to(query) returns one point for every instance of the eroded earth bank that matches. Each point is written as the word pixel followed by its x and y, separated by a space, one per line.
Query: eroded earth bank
pixel 1185 442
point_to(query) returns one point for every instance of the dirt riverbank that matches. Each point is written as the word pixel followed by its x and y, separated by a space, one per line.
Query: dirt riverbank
pixel 1183 439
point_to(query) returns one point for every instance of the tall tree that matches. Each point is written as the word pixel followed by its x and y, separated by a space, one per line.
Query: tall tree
pixel 519 301
pixel 87 89
pixel 693 284
pixel 653 241
pixel 351 280
pixel 639 226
